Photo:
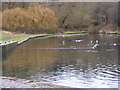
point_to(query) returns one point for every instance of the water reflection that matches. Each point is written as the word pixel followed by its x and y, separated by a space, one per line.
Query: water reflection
pixel 24 59
pixel 70 61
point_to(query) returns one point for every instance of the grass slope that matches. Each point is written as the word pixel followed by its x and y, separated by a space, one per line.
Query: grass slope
pixel 16 37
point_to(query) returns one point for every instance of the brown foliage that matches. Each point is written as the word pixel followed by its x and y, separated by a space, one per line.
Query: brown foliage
pixel 74 15
pixel 30 20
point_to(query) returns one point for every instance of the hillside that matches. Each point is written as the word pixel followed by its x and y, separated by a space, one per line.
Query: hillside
pixel 90 16
pixel 87 16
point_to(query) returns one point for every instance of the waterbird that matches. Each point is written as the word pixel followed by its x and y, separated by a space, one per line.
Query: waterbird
pixel 63 42
pixel 96 41
pixel 78 40
pixel 114 44
pixel 96 44
pixel 91 41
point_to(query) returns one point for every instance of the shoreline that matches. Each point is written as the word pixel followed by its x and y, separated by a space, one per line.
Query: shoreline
pixel 30 36
pixel 53 35
pixel 13 82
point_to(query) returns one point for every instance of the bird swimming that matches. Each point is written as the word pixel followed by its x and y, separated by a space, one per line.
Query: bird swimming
pixel 96 44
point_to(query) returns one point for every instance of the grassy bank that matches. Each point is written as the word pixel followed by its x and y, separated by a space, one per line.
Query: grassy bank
pixel 7 36
pixel 19 37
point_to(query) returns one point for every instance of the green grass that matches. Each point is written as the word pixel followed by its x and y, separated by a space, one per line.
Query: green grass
pixel 5 35
pixel 17 37
pixel 69 32
pixel 113 32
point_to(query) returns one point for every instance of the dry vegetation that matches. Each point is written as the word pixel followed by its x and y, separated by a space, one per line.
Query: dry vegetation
pixel 87 15
pixel 72 16
pixel 30 20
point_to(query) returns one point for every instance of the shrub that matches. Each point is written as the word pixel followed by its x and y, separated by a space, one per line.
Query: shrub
pixel 30 20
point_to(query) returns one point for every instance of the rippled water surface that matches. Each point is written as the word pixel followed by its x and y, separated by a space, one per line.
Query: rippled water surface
pixel 82 61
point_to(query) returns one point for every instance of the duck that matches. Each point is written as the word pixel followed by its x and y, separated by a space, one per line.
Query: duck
pixel 96 44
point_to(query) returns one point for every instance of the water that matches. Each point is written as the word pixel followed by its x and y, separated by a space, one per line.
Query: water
pixel 81 61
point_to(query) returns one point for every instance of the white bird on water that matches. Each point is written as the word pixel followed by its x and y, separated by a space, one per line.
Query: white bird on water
pixel 96 44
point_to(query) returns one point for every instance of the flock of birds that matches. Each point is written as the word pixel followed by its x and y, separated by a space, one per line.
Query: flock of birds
pixel 95 45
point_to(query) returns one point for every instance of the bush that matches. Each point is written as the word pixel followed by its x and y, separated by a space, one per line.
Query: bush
pixel 30 20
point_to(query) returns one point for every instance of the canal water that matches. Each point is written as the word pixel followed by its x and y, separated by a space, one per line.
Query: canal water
pixel 79 61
